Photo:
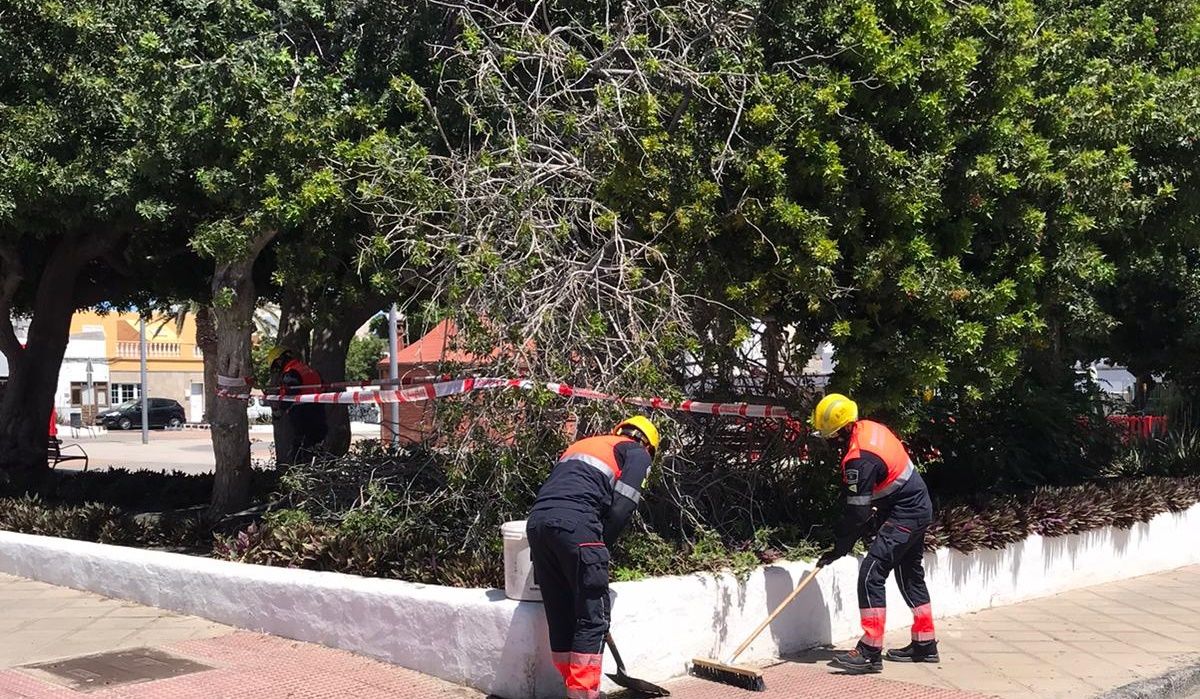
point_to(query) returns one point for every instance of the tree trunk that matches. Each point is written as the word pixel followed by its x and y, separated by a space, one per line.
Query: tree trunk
pixel 295 322
pixel 33 370
pixel 25 410
pixel 330 344
pixel 206 338
pixel 233 309
pixel 772 341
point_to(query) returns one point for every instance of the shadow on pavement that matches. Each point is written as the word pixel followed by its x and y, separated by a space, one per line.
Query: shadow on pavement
pixel 815 656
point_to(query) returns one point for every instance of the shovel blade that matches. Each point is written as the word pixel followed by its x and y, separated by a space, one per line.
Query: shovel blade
pixel 640 686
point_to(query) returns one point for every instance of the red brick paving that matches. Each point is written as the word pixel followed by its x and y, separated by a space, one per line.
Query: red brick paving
pixel 805 681
pixel 255 666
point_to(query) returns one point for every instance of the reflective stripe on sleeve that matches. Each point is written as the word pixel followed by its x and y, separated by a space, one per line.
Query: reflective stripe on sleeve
pixel 628 491
pixel 896 484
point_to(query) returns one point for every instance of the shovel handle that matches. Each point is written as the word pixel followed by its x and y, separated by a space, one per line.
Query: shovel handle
pixel 778 610
pixel 612 646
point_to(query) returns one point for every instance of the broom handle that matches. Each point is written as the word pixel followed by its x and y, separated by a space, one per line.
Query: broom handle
pixel 778 610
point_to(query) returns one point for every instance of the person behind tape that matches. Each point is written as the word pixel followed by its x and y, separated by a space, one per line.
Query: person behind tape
pixel 580 511
pixel 308 422
pixel 878 475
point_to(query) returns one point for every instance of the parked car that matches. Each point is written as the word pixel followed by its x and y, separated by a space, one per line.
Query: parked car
pixel 258 411
pixel 164 412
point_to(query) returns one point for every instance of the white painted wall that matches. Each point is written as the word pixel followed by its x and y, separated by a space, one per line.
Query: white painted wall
pixel 480 638
pixel 83 347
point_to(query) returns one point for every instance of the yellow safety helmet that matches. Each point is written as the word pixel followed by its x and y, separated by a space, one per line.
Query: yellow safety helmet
pixel 274 354
pixel 642 425
pixel 834 412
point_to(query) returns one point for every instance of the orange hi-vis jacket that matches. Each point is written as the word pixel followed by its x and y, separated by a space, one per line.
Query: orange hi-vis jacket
pixel 597 478
pixel 874 438
pixel 597 452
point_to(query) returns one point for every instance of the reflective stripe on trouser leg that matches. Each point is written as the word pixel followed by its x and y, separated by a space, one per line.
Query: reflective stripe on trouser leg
pixel 583 678
pixel 922 628
pixel 562 663
pixel 873 621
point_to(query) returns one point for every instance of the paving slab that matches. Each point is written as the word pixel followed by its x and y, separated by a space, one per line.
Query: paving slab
pixel 1077 644
pixel 43 622
pixel 67 644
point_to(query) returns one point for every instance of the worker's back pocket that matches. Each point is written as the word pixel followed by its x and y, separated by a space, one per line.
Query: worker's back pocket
pixel 593 566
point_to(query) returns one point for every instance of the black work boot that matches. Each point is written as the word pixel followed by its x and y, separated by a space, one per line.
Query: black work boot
pixel 915 652
pixel 860 661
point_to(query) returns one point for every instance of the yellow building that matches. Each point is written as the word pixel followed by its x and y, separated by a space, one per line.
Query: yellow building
pixel 109 344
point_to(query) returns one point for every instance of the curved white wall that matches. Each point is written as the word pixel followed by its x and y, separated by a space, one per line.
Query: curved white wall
pixel 480 638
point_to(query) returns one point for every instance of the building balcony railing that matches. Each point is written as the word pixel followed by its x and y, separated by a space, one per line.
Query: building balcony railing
pixel 154 350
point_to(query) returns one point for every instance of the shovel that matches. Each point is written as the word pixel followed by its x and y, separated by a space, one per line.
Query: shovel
pixel 632 683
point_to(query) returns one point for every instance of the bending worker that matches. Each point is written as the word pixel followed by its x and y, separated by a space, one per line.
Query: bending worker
pixel 580 510
pixel 307 419
pixel 877 474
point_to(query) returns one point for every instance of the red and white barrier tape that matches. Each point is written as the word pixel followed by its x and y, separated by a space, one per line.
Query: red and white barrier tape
pixel 242 386
pixel 442 389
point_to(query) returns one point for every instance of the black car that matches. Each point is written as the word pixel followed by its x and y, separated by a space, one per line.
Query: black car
pixel 164 412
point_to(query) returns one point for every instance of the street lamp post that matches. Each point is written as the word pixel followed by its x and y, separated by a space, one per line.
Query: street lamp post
pixel 91 389
pixel 393 373
pixel 145 391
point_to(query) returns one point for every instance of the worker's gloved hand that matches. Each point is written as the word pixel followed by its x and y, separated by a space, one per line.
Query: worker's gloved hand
pixel 831 555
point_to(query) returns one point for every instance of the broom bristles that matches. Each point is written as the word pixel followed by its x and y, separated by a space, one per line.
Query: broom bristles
pixel 736 675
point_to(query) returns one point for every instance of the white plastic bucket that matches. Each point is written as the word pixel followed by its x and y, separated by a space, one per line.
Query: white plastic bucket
pixel 518 566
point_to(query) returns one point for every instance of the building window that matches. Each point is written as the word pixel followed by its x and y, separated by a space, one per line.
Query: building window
pixel 79 394
pixel 122 392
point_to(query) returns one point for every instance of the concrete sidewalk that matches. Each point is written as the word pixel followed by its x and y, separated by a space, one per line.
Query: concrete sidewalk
pixel 1073 645
pixel 57 643
pixel 1078 644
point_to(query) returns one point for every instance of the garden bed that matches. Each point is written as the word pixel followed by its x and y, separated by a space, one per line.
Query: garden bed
pixel 407 517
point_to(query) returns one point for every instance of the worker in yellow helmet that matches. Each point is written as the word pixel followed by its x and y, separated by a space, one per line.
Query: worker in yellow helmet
pixel 878 477
pixel 580 510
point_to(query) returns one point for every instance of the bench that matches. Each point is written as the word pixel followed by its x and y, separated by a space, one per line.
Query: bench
pixel 54 453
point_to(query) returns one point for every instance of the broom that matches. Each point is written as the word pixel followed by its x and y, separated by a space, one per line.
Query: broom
pixel 738 675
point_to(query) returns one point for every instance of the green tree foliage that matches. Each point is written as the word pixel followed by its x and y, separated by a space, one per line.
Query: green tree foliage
pixel 1137 92
pixel 92 183
pixel 967 199
pixel 952 194
pixel 362 361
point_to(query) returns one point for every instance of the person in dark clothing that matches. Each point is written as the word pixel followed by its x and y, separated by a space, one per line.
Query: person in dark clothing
pixel 882 485
pixel 308 423
pixel 579 512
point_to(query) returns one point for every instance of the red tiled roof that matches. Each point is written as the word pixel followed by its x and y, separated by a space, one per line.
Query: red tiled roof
pixel 432 348
pixel 436 347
